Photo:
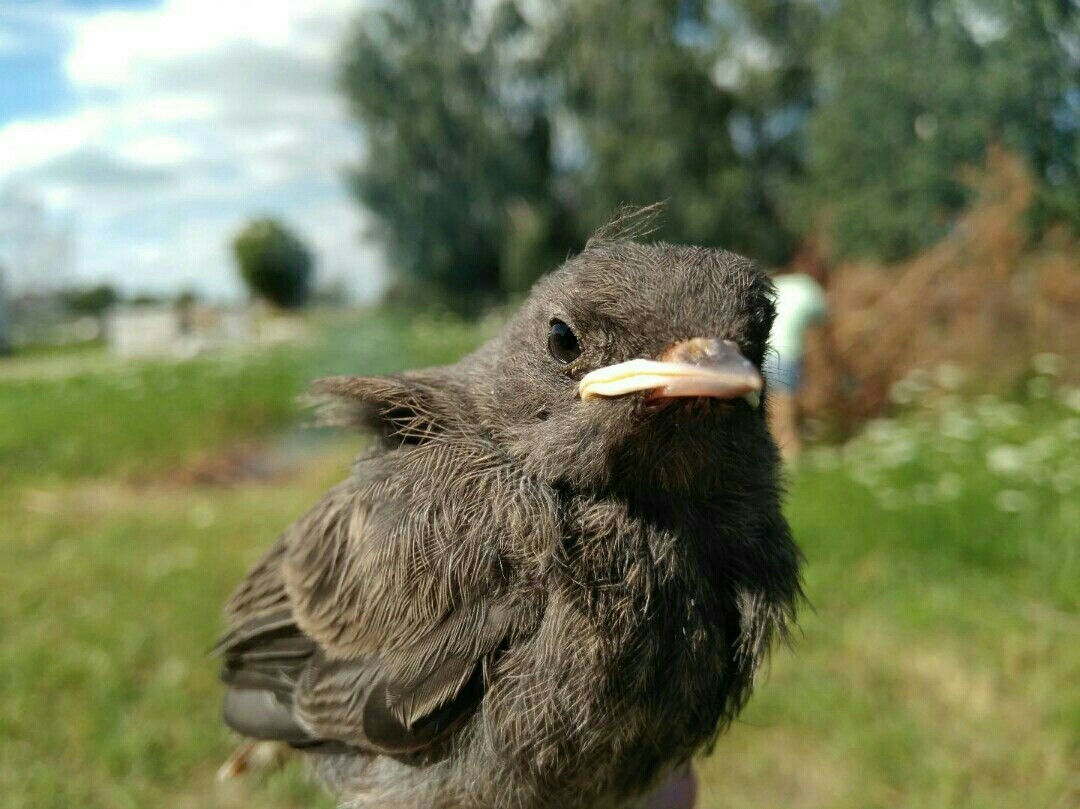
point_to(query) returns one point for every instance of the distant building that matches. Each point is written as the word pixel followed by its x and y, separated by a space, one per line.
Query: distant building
pixel 164 330
pixel 35 250
pixel 137 331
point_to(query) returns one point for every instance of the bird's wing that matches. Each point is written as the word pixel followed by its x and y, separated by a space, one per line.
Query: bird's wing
pixel 369 623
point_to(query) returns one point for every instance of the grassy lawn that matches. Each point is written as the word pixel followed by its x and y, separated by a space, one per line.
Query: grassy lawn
pixel 65 417
pixel 938 666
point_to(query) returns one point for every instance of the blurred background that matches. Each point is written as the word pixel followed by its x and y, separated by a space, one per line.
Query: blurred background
pixel 204 204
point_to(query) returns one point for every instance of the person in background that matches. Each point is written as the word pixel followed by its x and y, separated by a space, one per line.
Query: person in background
pixel 800 304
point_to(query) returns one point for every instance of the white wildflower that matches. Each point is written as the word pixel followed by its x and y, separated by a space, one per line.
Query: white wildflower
pixel 919 379
pixel 1013 415
pixel 901 393
pixel 1064 482
pixel 1005 459
pixel 890 499
pixel 172 672
pixel 879 431
pixel 947 402
pixel 949 375
pixel 1070 429
pixel 1012 501
pixel 956 425
pixel 854 452
pixel 1039 474
pixel 1070 397
pixel 1046 364
pixel 865 475
pixel 898 452
pixel 1041 449
pixel 825 458
pixel 950 449
pixel 1039 387
pixel 998 415
pixel 949 486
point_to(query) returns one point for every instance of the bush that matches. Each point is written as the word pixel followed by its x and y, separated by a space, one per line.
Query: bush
pixel 274 263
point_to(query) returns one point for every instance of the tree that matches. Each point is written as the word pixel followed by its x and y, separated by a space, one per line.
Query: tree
pixel 93 301
pixel 675 101
pixel 273 263
pixel 499 133
pixel 911 93
pixel 457 130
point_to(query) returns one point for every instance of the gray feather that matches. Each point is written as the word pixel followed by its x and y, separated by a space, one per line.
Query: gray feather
pixel 519 599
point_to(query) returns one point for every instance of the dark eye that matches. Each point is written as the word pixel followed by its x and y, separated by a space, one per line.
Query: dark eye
pixel 562 343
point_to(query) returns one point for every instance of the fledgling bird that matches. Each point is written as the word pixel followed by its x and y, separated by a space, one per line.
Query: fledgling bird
pixel 553 578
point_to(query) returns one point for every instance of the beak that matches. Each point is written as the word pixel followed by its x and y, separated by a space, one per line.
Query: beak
pixel 694 368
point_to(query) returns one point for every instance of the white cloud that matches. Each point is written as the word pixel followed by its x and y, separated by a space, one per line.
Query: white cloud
pixel 193 116
pixel 24 144
pixel 160 150
pixel 94 171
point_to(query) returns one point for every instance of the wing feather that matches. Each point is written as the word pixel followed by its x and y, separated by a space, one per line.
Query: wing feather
pixel 370 623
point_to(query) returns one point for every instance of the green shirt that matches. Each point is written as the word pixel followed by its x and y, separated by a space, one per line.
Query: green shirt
pixel 800 303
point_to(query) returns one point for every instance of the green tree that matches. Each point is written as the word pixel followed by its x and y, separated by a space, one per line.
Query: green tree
pixel 93 301
pixel 1034 66
pixel 693 103
pixel 500 133
pixel 496 140
pixel 454 112
pixel 911 92
pixel 274 264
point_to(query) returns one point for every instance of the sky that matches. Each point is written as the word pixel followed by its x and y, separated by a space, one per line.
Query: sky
pixel 151 130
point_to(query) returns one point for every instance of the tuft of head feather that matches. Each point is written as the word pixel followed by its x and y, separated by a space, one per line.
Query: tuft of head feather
pixel 631 223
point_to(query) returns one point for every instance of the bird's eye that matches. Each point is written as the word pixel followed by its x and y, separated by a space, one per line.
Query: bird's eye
pixel 562 343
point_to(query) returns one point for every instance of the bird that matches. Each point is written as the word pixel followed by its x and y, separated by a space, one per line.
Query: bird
pixel 551 578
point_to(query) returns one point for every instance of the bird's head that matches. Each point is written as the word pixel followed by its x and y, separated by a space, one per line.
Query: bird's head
pixel 632 368
pixel 635 367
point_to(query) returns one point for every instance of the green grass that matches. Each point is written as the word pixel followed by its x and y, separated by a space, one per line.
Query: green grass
pixel 135 419
pixel 938 667
pixel 110 601
pixel 93 416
